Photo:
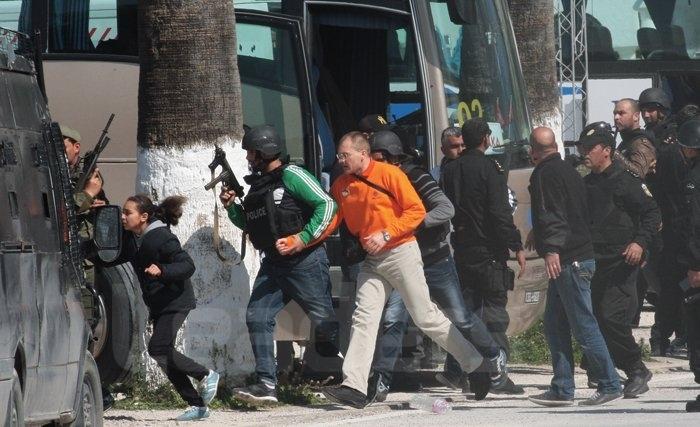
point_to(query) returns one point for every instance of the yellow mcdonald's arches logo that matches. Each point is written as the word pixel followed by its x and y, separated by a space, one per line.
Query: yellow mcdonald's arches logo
pixel 465 111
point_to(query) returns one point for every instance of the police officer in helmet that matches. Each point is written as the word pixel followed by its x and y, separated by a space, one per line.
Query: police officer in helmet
pixel 624 220
pixel 689 140
pixel 655 106
pixel 286 215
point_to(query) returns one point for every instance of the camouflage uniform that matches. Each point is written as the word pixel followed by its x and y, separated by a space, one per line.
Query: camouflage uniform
pixel 83 203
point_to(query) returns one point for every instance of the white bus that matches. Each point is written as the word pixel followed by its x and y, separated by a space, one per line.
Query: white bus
pixel 312 69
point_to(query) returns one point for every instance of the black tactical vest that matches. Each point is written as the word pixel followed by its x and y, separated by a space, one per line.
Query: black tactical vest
pixel 271 212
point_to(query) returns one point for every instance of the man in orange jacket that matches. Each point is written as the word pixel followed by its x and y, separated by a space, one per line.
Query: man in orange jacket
pixel 380 206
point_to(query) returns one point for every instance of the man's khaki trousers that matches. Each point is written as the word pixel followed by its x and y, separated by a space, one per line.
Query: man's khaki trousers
pixel 400 268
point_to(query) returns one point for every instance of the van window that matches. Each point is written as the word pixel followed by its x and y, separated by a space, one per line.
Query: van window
pixel 270 83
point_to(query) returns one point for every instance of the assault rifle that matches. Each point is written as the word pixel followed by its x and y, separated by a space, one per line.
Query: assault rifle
pixel 90 162
pixel 226 177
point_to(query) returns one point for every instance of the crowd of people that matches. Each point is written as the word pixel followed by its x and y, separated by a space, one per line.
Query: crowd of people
pixel 432 247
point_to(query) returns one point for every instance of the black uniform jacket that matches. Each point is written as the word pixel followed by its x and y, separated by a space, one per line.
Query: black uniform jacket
pixel 622 211
pixel 692 189
pixel 172 290
pixel 560 220
pixel 477 187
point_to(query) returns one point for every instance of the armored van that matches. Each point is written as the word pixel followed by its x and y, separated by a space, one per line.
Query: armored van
pixel 47 373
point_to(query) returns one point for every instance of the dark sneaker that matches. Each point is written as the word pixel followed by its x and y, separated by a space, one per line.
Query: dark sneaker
pixel 346 396
pixel 377 388
pixel 447 381
pixel 693 405
pixel 260 393
pixel 599 398
pixel 551 399
pixel 509 387
pixel 479 384
pixel 636 384
pixel 592 384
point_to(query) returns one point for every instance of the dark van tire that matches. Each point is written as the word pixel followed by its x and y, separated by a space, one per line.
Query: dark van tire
pixel 15 413
pixel 118 334
pixel 90 411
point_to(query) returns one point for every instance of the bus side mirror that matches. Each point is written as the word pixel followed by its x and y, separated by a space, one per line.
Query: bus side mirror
pixel 108 232
pixel 462 12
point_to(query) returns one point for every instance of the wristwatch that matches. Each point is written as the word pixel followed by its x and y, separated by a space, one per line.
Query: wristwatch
pixel 386 235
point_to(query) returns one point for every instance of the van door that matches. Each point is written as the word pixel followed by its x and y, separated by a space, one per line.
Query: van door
pixel 275 83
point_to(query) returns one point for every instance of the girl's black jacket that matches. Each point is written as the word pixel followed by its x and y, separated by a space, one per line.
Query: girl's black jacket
pixel 172 290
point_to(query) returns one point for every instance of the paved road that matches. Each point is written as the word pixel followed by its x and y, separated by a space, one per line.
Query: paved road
pixel 671 387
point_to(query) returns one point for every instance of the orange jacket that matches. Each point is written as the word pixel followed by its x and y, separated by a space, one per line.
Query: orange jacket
pixel 367 210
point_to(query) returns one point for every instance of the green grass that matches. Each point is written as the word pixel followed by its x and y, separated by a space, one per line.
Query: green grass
pixel 531 348
pixel 139 395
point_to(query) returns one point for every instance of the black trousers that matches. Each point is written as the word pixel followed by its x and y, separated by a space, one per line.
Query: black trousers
pixel 668 318
pixel 482 297
pixel 692 313
pixel 177 367
pixel 614 297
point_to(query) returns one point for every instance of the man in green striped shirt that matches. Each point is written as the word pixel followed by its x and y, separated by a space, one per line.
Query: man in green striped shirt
pixel 286 215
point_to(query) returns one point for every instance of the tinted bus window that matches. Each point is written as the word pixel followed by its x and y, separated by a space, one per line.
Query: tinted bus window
pixel 84 26
pixel 270 83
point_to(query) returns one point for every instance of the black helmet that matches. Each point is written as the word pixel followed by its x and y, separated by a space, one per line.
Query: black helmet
pixel 263 139
pixel 654 96
pixel 689 134
pixel 597 133
pixel 386 140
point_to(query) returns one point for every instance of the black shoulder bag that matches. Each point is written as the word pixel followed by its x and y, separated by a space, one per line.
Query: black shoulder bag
pixel 350 245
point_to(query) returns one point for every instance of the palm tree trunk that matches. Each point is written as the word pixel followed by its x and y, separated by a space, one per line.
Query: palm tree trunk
pixel 189 100
pixel 533 22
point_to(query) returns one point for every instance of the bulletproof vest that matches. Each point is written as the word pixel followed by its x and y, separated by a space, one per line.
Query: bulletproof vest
pixel 426 238
pixel 611 227
pixel 271 212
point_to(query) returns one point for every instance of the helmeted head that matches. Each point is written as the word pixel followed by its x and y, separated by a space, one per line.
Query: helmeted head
pixel 372 123
pixel 689 137
pixel 71 141
pixel 386 145
pixel 263 144
pixel 654 105
pixel 597 145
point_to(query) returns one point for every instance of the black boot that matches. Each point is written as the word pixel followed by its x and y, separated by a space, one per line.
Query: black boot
pixel 377 388
pixel 637 382
pixel 693 405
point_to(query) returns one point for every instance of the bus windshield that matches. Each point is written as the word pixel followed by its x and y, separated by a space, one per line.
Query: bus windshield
pixel 479 70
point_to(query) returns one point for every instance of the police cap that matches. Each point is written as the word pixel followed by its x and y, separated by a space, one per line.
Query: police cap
pixel 386 140
pixel 689 134
pixel 70 133
pixel 654 97
pixel 597 133
pixel 263 139
pixel 372 123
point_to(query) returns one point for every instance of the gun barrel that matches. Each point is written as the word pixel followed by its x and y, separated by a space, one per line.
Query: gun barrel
pixel 222 176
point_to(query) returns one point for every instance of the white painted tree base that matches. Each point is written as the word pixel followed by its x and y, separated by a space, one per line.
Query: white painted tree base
pixel 215 333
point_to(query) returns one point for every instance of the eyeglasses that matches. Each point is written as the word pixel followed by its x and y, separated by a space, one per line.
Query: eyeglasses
pixel 342 156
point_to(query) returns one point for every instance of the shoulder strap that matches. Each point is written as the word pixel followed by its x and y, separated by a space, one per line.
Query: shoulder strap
pixel 375 186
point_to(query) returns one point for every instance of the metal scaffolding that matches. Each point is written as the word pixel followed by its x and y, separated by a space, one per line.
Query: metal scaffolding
pixel 572 61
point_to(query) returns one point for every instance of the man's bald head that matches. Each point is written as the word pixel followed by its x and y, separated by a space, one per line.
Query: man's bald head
pixel 543 143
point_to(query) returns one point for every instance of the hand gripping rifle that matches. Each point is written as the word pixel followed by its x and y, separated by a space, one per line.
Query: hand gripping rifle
pixel 228 180
pixel 90 162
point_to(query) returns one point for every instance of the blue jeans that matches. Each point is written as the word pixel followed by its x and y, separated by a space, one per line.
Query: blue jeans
pixel 569 309
pixel 304 279
pixel 443 284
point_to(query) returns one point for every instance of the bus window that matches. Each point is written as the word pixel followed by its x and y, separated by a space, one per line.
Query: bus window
pixel 642 30
pixel 85 26
pixel 479 75
pixel 270 83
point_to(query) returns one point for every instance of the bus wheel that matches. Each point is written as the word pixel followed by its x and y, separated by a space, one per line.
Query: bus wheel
pixel 15 414
pixel 117 336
